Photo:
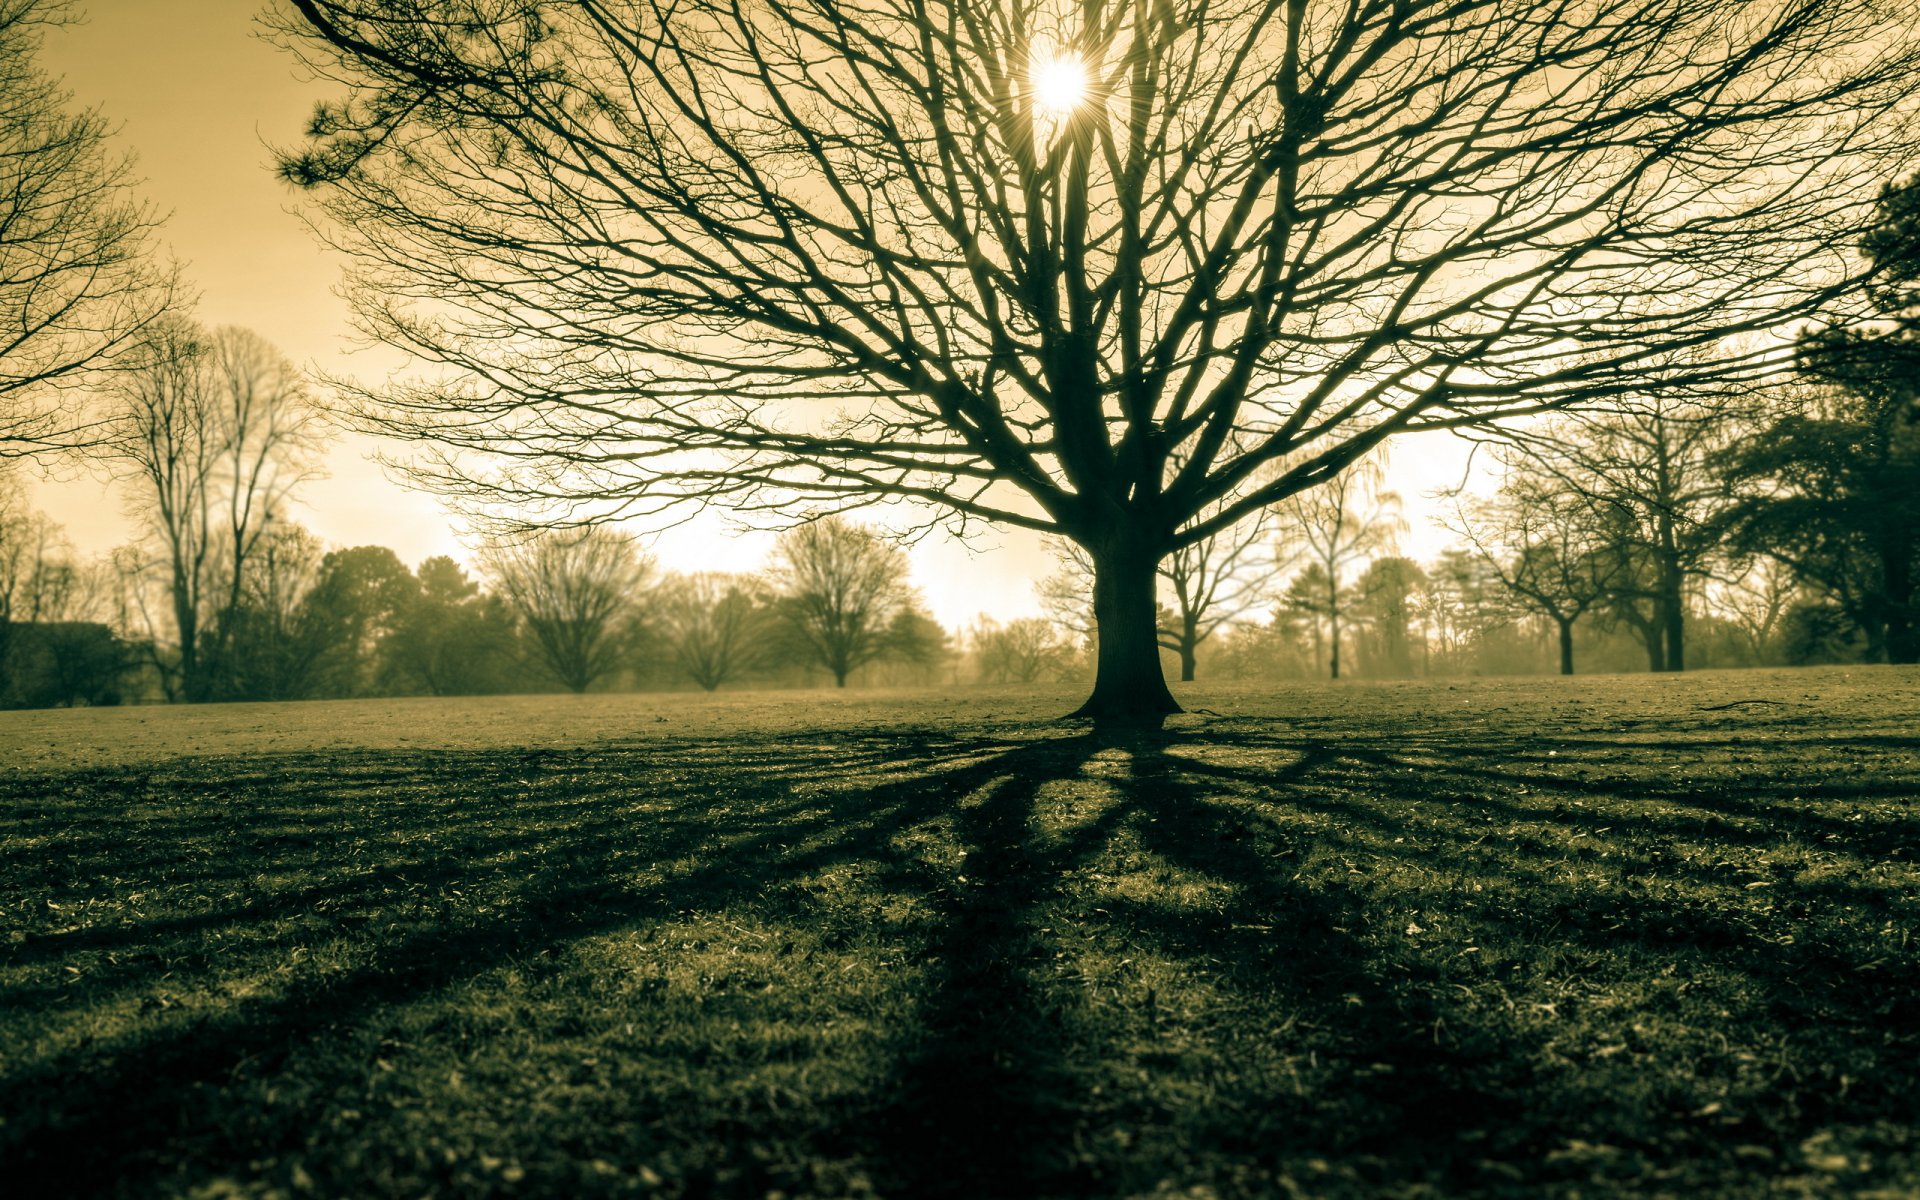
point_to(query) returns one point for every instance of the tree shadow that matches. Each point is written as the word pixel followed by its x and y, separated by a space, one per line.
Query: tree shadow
pixel 1233 956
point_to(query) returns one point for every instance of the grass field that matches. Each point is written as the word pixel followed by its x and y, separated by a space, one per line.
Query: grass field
pixel 1606 937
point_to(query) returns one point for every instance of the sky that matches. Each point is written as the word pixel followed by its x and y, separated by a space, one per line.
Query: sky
pixel 202 100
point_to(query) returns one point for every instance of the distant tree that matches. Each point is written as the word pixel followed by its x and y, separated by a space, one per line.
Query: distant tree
pixel 916 644
pixel 78 282
pixel 358 600
pixel 576 592
pixel 1548 545
pixel 1020 651
pixel 1754 604
pixel 812 253
pixel 1339 525
pixel 273 640
pixel 840 587
pixel 1649 471
pixel 1462 604
pixel 53 647
pixel 25 536
pixel 1385 601
pixel 452 639
pixel 215 431
pixel 1308 602
pixel 1834 492
pixel 718 626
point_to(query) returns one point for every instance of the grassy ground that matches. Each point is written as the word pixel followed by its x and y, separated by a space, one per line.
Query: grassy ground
pixel 1591 938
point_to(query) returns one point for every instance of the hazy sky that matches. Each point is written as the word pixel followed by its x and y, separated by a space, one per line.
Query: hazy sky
pixel 200 99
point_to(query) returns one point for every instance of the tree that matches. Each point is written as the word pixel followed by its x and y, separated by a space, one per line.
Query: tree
pixel 1462 606
pixel 452 639
pixel 1833 487
pixel 577 592
pixel 1647 472
pixel 1754 606
pixel 78 286
pixel 274 638
pixel 1340 524
pixel 1203 586
pixel 361 596
pixel 840 588
pixel 215 431
pixel 917 646
pixel 784 254
pixel 717 624
pixel 1547 545
pixel 24 538
pixel 1386 601
pixel 1020 651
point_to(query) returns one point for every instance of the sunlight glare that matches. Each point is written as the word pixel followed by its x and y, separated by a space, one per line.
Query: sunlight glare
pixel 1059 83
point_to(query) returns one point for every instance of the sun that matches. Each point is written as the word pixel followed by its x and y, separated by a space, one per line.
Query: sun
pixel 1059 82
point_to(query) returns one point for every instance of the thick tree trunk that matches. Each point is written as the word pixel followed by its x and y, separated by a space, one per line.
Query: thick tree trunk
pixel 1128 685
pixel 1673 617
pixel 1902 639
pixel 1187 662
pixel 1656 652
pixel 1566 645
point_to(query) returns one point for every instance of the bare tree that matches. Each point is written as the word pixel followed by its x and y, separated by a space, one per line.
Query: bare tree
pixel 272 646
pixel 1647 472
pixel 78 284
pixel 786 254
pixel 215 431
pixel 26 537
pixel 577 592
pixel 840 587
pixel 1020 651
pixel 1547 545
pixel 1754 604
pixel 717 624
pixel 1340 525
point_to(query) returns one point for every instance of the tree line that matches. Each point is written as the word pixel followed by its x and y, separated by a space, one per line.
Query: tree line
pixel 276 615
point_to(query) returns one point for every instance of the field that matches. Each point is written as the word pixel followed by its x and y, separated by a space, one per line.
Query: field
pixel 1601 937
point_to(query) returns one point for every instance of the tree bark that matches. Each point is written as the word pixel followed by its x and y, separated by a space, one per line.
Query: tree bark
pixel 1129 687
pixel 1673 616
pixel 1902 640
pixel 1566 645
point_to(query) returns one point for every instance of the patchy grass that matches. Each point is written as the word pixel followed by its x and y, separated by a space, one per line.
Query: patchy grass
pixel 1583 938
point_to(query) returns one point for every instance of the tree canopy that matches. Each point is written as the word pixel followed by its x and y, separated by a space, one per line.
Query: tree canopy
pixel 788 254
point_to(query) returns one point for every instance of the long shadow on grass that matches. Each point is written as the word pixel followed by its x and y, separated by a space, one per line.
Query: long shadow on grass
pixel 1315 906
pixel 556 865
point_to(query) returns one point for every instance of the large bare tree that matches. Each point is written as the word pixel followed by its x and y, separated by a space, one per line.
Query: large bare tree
pixel 78 280
pixel 1089 268
pixel 214 430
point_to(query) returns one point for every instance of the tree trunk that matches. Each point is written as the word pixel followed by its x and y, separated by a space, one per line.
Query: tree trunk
pixel 1128 685
pixel 1673 616
pixel 1187 662
pixel 1566 645
pixel 1902 640
pixel 1333 646
pixel 839 679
